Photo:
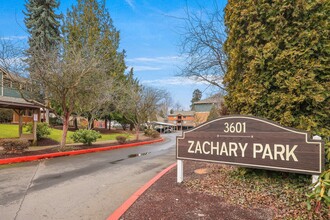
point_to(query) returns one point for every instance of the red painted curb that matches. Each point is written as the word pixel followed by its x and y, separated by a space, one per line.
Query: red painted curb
pixel 125 206
pixel 70 153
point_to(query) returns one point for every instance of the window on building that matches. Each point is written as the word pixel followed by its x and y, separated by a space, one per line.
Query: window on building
pixel 7 83
pixel 28 112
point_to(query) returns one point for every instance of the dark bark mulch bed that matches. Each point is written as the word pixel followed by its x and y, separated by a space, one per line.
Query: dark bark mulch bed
pixel 212 191
pixel 167 199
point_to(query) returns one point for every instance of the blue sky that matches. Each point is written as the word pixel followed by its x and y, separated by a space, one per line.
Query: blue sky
pixel 150 34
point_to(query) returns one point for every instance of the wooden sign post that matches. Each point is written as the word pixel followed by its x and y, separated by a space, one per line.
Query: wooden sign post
pixel 251 142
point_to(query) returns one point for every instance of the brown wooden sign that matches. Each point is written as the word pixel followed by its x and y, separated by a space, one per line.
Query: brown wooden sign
pixel 252 142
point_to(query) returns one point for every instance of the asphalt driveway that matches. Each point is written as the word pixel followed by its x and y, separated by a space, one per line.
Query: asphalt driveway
pixel 89 186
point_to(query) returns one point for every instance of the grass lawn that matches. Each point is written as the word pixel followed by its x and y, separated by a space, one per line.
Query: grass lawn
pixel 11 131
pixel 56 135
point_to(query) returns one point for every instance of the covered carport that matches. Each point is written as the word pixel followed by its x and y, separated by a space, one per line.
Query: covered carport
pixel 163 126
pixel 20 105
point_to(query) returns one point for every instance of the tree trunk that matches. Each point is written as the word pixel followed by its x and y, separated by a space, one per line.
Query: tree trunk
pixel 65 129
pixel 90 122
pixel 47 116
pixel 75 122
pixel 123 126
pixel 20 128
pixel 46 113
pixel 137 131
pixel 106 123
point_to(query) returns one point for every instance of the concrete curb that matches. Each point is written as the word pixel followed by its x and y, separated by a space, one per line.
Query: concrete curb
pixel 77 152
pixel 129 202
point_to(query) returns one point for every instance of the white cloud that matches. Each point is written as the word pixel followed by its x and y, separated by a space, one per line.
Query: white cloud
pixel 144 68
pixel 154 63
pixel 130 3
pixel 173 81
pixel 168 59
pixel 14 38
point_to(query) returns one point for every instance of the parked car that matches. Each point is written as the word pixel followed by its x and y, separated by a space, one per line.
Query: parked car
pixel 168 130
pixel 164 130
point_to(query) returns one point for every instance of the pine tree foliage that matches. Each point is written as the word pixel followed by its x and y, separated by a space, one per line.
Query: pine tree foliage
pixel 278 61
pixel 197 95
pixel 43 26
pixel 214 113
pixel 89 24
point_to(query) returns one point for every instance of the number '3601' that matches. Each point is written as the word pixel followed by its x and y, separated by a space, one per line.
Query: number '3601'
pixel 235 127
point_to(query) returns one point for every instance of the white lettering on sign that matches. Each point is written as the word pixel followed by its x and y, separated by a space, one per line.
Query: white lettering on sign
pixel 237 127
pixel 217 148
pixel 278 150
pixel 190 148
pixel 243 148
pixel 233 149
pixel 224 149
pixel 208 143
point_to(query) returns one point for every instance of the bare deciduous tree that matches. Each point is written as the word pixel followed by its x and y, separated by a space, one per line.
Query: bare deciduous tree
pixel 67 78
pixel 138 103
pixel 11 56
pixel 165 103
pixel 177 107
pixel 202 46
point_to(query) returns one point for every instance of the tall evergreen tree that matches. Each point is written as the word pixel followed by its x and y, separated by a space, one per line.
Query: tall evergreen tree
pixel 80 75
pixel 89 24
pixel 214 113
pixel 278 61
pixel 278 66
pixel 43 26
pixel 197 95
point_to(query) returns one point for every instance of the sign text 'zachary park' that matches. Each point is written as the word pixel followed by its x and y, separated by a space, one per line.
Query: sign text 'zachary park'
pixel 252 142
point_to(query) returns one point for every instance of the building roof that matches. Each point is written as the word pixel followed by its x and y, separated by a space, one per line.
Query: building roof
pixel 16 103
pixel 162 123
pixel 12 76
pixel 185 113
pixel 217 98
pixel 160 118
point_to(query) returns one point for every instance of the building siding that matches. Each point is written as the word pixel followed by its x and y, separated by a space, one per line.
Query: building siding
pixel 203 107
pixel 1 83
pixel 11 92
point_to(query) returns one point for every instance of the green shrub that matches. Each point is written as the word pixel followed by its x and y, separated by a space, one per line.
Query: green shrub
pixel 85 136
pixel 55 121
pixel 155 134
pixel 151 133
pixel 320 194
pixel 147 132
pixel 14 145
pixel 43 129
pixel 122 139
pixel 6 115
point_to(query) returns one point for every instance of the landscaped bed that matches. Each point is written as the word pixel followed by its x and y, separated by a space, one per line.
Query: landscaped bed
pixel 213 191
pixel 51 143
pixel 11 131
